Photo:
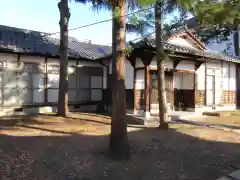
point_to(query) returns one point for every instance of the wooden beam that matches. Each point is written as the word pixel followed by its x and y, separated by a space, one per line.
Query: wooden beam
pixel 139 68
pixel 132 60
pixel 175 63
pixel 147 57
pixel 181 56
pixel 184 70
pixel 198 64
pixel 147 89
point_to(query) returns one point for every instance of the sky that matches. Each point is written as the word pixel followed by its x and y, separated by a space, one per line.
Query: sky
pixel 43 15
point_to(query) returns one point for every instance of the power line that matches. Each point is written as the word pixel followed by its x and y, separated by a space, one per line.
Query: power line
pixel 143 36
pixel 99 22
pixel 136 38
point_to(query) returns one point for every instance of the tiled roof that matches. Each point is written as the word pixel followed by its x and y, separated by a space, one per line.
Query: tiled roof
pixel 27 41
pixel 151 42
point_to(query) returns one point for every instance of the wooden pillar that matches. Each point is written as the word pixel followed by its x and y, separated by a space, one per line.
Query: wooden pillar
pixel 205 83
pixel 46 82
pixel 147 90
pixel 237 86
pixel 134 91
pixel 195 88
pixel 229 74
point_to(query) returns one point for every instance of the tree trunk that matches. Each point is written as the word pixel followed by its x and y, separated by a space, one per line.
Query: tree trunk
pixel 237 53
pixel 160 74
pixel 63 82
pixel 236 39
pixel 118 143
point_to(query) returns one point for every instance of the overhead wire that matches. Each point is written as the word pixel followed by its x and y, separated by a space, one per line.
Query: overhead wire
pixel 142 37
pixel 103 21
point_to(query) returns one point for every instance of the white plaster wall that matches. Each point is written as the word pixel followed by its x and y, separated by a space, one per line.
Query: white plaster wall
pixel 218 89
pixel 53 61
pixel 188 80
pixel 181 42
pixel 140 84
pixel 200 80
pixel 8 57
pixel 177 80
pixel 139 62
pixel 183 80
pixel 129 74
pixel 186 65
pixel 232 77
pixel 166 63
pixel 214 64
pixel 36 59
pixel 225 76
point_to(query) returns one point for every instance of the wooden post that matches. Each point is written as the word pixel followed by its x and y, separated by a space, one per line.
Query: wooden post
pixel 205 84
pixel 46 82
pixel 229 75
pixel 237 87
pixel 134 91
pixel 195 88
pixel 147 91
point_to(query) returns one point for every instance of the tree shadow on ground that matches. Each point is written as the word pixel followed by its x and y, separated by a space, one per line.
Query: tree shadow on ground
pixel 156 155
pixel 207 124
pixel 16 120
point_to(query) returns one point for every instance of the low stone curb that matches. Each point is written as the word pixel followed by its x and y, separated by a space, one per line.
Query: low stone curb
pixel 206 113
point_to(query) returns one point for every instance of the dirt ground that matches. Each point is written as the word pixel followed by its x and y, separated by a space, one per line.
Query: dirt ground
pixel 227 119
pixel 47 147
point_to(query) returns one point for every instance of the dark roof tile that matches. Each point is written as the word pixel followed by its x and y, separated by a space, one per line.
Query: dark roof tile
pixel 26 41
pixel 151 42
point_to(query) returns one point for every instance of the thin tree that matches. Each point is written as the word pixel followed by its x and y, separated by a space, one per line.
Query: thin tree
pixel 119 147
pixel 118 142
pixel 160 56
pixel 63 80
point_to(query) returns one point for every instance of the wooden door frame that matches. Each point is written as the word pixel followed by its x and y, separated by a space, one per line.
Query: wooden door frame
pixel 213 90
pixel 153 71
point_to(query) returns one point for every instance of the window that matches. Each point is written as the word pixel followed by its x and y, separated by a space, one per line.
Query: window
pixel 89 84
pixel 9 84
pixel 72 86
pixel 30 84
pixel 53 83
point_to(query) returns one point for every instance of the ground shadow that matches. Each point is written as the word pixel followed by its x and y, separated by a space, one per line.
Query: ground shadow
pixel 156 155
pixel 207 124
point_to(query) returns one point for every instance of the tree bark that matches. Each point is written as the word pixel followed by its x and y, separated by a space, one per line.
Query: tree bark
pixel 118 143
pixel 236 38
pixel 160 70
pixel 63 82
pixel 237 53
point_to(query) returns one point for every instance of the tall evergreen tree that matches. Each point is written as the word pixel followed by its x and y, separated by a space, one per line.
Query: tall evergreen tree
pixel 63 82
